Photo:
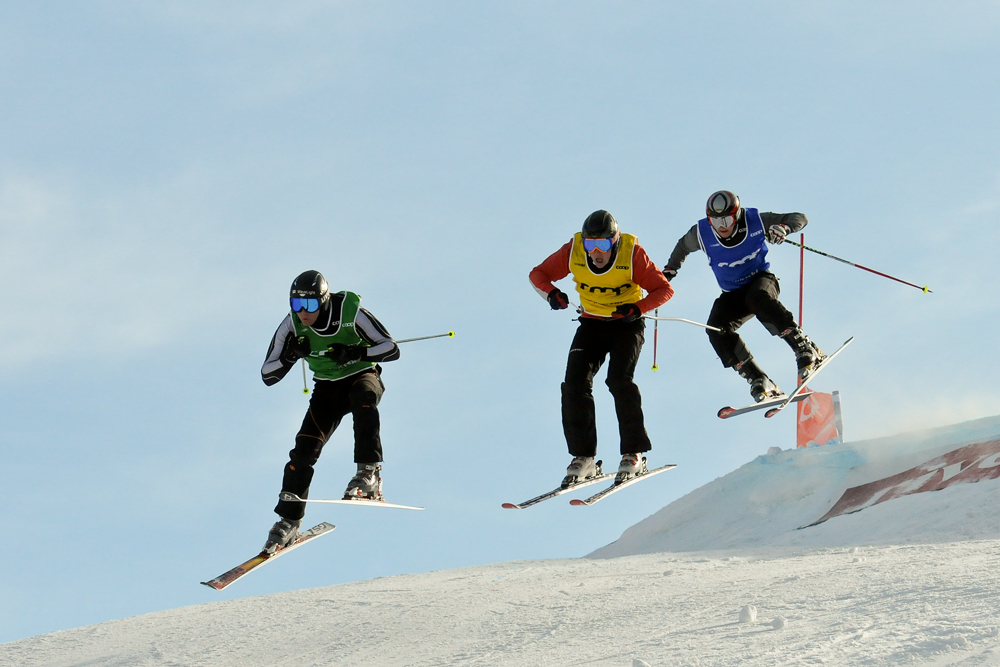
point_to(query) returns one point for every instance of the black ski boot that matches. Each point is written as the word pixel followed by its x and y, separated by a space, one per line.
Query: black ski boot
pixel 366 483
pixel 807 354
pixel 761 386
pixel 282 534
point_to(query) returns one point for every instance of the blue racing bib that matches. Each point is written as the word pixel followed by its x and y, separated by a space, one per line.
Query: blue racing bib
pixel 735 267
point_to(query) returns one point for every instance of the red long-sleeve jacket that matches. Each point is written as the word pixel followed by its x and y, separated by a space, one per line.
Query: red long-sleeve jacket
pixel 644 272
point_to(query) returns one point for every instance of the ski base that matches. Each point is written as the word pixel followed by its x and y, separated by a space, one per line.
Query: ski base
pixel 558 491
pixel 615 488
pixel 292 498
pixel 263 558
pixel 727 412
pixel 802 387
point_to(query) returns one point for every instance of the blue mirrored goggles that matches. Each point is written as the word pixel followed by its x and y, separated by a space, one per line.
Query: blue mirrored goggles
pixel 308 305
pixel 601 245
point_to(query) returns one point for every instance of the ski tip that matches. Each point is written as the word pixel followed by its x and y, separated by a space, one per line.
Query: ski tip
pixel 576 502
pixel 726 412
pixel 770 413
pixel 510 506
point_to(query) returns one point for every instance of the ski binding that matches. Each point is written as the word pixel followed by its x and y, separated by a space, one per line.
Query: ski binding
pixel 559 491
pixel 802 386
pixel 616 487
pixel 263 557
pixel 292 498
pixel 727 412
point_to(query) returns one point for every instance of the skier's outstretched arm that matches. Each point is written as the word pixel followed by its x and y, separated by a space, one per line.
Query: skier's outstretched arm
pixel 279 359
pixel 381 346
pixel 651 279
pixel 779 225
pixel 795 222
pixel 555 267
pixel 686 245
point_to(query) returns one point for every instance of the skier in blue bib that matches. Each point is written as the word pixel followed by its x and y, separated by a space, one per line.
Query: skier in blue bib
pixel 735 240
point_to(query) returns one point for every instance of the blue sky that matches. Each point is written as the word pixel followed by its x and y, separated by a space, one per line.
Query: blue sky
pixel 167 168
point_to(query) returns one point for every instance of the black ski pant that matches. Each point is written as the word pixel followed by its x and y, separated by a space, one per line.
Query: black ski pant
pixel 758 298
pixel 594 341
pixel 331 401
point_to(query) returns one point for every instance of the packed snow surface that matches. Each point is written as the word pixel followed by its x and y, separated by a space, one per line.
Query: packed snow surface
pixel 737 572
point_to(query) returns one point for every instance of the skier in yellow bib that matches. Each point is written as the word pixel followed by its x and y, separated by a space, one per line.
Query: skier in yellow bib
pixel 610 270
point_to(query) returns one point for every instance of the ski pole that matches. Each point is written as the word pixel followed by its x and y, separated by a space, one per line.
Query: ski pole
pixel 305 384
pixel 450 334
pixel 661 319
pixel 656 332
pixel 924 289
pixel 681 319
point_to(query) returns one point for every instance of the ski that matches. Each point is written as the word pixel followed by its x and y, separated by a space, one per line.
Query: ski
pixel 292 498
pixel 614 488
pixel 801 388
pixel 727 412
pixel 558 491
pixel 263 558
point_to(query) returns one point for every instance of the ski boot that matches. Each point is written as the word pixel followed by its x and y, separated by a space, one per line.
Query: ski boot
pixel 632 465
pixel 761 386
pixel 366 483
pixel 282 533
pixel 580 469
pixel 808 356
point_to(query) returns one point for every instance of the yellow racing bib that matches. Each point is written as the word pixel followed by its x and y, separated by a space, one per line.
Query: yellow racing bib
pixel 601 293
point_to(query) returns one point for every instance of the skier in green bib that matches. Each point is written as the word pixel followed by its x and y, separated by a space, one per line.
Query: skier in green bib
pixel 343 344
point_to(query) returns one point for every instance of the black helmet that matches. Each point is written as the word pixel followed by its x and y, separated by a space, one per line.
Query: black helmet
pixel 600 225
pixel 310 285
pixel 721 204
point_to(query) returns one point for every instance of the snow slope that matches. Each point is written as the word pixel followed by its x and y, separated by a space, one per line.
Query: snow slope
pixel 720 577
pixel 764 502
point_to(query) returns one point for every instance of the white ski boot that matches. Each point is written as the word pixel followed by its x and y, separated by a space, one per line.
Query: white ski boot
pixel 632 465
pixel 366 483
pixel 581 468
pixel 282 533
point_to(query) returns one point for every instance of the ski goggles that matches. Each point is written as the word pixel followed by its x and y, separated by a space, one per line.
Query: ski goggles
pixel 725 222
pixel 600 245
pixel 308 305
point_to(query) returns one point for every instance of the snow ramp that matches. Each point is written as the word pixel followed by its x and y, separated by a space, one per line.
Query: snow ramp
pixel 925 487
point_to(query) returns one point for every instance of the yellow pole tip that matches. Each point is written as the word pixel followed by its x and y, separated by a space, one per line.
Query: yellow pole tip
pixel 926 289
pixel 655 367
pixel 451 334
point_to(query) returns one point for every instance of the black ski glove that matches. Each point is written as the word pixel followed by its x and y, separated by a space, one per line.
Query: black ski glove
pixel 343 354
pixel 669 273
pixel 628 312
pixel 558 299
pixel 295 348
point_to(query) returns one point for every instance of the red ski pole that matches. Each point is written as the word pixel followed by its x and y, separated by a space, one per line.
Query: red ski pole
pixel 924 289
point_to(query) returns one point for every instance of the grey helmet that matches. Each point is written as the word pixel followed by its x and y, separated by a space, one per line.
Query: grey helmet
pixel 721 204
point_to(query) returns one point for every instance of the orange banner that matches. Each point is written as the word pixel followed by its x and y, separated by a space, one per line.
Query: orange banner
pixel 817 421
